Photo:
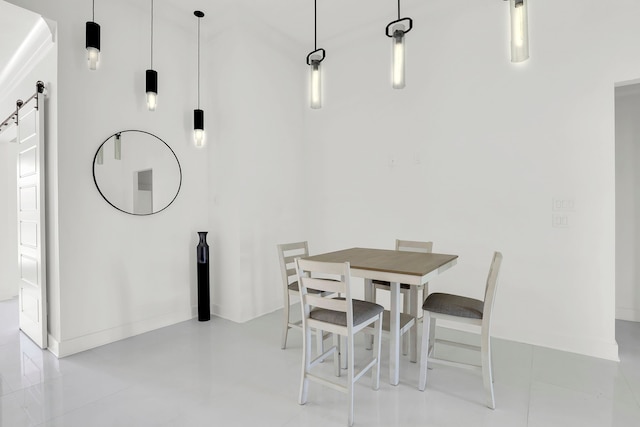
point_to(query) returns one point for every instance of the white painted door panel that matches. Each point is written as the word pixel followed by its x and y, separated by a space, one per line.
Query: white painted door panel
pixel 31 221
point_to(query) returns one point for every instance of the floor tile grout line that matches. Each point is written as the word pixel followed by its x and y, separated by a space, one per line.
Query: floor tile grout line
pixel 533 355
pixel 636 396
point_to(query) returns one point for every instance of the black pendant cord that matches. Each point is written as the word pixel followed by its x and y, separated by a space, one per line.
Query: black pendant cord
pixel 152 34
pixel 316 52
pixel 389 31
pixel 198 63
pixel 93 11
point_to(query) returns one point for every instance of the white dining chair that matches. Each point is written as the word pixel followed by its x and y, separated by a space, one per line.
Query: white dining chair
pixel 287 253
pixel 442 306
pixel 341 316
pixel 406 290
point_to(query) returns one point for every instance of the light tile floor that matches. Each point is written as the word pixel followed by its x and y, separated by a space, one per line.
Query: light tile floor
pixel 220 373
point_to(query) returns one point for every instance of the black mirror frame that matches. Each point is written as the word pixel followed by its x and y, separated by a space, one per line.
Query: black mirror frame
pixel 95 181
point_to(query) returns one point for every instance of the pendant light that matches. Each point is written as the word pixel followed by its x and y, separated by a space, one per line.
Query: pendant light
pixel 314 59
pixel 198 114
pixel 396 31
pixel 519 30
pixel 100 156
pixel 92 40
pixel 117 146
pixel 152 76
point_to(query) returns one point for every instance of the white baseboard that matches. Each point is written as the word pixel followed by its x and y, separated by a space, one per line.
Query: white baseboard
pixel 6 297
pixel 87 342
pixel 587 347
pixel 629 314
pixel 53 346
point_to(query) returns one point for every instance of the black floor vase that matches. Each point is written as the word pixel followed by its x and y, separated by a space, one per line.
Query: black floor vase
pixel 202 251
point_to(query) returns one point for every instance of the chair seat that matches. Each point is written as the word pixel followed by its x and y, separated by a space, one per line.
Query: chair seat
pixel 384 283
pixel 362 311
pixel 454 305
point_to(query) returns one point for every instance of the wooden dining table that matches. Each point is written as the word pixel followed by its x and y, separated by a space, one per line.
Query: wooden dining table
pixel 395 267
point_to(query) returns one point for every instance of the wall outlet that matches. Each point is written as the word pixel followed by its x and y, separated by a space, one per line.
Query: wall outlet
pixel 560 220
pixel 563 204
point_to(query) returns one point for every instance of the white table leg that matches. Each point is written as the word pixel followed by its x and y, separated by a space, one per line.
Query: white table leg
pixel 368 296
pixel 394 348
pixel 413 332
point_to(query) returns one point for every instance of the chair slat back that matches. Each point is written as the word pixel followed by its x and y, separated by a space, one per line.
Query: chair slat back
pixel 287 253
pixel 414 246
pixel 315 300
pixel 332 277
pixel 490 290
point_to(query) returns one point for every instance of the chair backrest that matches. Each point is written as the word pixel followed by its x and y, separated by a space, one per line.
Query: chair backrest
pixel 326 277
pixel 490 290
pixel 413 246
pixel 288 252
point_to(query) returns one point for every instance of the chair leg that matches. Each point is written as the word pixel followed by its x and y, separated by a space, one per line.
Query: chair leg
pixel 369 295
pixel 487 371
pixel 350 375
pixel 432 333
pixel 413 309
pixel 344 353
pixel 421 293
pixel 377 345
pixel 406 338
pixel 336 355
pixel 306 365
pixel 285 324
pixel 424 352
pixel 319 341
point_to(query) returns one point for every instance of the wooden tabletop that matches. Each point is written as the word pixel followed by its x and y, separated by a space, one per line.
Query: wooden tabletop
pixel 399 262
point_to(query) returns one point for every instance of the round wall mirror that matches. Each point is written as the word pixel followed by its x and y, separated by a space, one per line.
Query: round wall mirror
pixel 136 172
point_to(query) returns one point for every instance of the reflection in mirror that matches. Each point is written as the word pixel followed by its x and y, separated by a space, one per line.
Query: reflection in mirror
pixel 137 172
pixel 143 195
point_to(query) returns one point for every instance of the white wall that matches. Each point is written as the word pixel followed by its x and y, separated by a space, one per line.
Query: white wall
pixel 473 151
pixel 256 173
pixel 627 202
pixel 470 155
pixel 8 221
pixel 119 274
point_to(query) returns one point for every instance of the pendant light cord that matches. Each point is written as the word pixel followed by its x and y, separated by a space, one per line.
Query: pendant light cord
pixel 315 24
pixel 398 9
pixel 151 34
pixel 93 11
pixel 198 63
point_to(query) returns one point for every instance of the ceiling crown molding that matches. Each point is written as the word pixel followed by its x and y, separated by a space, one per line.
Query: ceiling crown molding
pixel 32 49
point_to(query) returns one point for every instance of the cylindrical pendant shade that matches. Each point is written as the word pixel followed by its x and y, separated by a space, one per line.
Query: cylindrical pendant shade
pixel 100 156
pixel 397 67
pixel 198 127
pixel 117 147
pixel 92 43
pixel 152 89
pixel 316 85
pixel 519 30
pixel 198 119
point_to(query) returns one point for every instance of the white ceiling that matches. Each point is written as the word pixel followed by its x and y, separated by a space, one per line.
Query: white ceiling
pixel 295 18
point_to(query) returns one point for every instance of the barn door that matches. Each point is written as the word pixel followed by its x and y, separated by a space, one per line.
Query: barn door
pixel 31 220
